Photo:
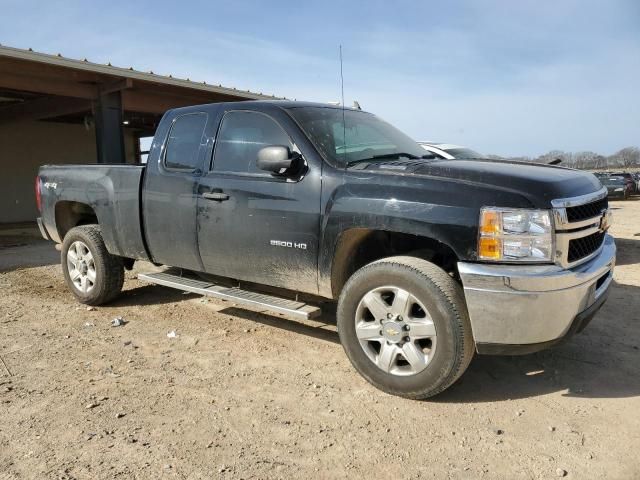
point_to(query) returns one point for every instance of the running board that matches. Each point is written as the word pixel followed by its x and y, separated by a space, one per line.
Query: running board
pixel 233 294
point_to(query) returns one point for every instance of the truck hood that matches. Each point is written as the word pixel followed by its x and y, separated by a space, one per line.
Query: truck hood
pixel 539 183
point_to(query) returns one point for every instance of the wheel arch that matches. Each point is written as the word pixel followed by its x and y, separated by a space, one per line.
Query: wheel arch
pixel 70 214
pixel 358 246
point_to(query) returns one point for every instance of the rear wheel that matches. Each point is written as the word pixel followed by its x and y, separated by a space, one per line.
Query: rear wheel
pixel 404 325
pixel 91 272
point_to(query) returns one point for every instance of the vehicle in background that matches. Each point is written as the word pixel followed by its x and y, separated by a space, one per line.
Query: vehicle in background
pixel 616 185
pixel 448 151
pixel 629 180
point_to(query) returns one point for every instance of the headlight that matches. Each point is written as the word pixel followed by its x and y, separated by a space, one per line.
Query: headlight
pixel 515 235
pixel 619 189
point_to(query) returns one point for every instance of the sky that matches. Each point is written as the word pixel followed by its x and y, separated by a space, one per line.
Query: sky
pixel 503 77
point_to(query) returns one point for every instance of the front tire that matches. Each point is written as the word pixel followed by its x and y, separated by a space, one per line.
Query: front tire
pixel 404 325
pixel 93 275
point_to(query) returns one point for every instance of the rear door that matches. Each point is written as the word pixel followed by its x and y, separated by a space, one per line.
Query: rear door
pixel 255 226
pixel 170 191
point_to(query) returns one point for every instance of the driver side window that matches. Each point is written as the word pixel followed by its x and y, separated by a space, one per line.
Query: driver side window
pixel 241 135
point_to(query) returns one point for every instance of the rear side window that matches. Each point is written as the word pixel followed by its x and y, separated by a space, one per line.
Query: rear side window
pixel 240 137
pixel 184 141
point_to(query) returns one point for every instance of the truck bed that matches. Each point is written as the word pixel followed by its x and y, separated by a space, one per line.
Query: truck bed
pixel 112 191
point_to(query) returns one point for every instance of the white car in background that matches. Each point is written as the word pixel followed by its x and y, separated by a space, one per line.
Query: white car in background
pixel 449 151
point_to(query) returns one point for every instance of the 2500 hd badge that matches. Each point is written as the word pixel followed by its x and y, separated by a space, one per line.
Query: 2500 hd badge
pixel 283 243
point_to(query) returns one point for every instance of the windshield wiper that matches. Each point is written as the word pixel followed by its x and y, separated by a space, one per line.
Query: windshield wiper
pixel 386 156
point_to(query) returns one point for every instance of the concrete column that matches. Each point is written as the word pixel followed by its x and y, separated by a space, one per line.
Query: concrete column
pixel 107 112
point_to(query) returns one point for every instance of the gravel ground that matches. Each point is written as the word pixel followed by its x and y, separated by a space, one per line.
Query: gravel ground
pixel 244 394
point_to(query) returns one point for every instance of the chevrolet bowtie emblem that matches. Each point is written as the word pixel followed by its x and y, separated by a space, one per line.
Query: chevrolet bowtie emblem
pixel 605 220
pixel 391 331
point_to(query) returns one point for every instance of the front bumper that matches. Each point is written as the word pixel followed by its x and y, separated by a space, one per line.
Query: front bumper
pixel 523 309
pixel 614 194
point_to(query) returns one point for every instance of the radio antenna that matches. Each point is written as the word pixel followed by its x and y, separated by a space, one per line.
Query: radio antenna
pixel 344 127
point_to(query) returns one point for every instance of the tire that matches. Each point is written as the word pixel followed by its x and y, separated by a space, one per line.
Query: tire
pixel 98 276
pixel 442 358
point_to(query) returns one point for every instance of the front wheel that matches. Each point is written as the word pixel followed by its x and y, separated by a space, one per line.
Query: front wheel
pixel 404 325
pixel 93 275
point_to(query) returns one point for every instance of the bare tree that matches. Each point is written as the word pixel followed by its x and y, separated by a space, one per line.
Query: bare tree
pixel 555 155
pixel 600 162
pixel 585 160
pixel 625 158
pixel 628 157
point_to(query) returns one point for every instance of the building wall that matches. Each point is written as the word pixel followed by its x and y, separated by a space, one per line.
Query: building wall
pixel 25 146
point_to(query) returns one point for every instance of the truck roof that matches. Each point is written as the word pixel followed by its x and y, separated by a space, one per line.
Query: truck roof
pixel 286 104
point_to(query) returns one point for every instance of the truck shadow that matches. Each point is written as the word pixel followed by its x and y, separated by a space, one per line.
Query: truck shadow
pixel 491 379
pixel 150 295
pixel 603 361
pixel 321 330
pixel 628 251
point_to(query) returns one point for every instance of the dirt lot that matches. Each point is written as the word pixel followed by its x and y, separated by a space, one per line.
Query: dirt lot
pixel 242 394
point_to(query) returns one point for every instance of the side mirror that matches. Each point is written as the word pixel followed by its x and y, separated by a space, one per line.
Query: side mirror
pixel 276 159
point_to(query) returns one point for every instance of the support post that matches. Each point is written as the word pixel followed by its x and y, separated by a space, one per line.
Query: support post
pixel 107 113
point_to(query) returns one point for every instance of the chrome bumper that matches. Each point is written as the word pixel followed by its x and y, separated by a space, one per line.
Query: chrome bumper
pixel 520 305
pixel 43 230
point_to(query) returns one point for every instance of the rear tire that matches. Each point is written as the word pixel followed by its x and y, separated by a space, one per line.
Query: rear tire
pixel 93 275
pixel 435 344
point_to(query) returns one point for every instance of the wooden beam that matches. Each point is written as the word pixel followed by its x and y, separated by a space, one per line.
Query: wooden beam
pixel 47 86
pixel 42 108
pixel 146 102
pixel 116 86
pixel 22 67
pixel 137 101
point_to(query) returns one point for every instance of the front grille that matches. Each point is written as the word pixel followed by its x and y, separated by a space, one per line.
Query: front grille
pixel 583 247
pixel 589 210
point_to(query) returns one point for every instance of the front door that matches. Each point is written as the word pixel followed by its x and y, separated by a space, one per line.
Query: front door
pixel 253 225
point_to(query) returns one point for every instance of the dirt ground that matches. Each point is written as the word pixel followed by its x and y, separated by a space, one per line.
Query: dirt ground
pixel 243 394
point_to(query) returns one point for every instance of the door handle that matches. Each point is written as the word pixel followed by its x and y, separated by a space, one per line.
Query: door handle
pixel 217 196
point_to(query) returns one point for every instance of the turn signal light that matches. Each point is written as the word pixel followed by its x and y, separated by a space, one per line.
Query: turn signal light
pixel 490 248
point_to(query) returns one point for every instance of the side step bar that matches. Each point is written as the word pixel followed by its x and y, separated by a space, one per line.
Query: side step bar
pixel 233 294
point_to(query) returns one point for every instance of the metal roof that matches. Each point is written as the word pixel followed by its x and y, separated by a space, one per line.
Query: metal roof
pixel 108 69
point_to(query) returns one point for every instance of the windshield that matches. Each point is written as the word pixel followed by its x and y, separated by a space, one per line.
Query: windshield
pixel 621 175
pixel 367 136
pixel 463 153
pixel 612 181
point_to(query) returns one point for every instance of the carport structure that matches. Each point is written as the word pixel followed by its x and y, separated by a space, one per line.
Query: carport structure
pixel 60 110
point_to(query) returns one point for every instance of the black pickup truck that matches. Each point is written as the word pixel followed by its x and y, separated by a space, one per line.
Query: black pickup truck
pixel 284 205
